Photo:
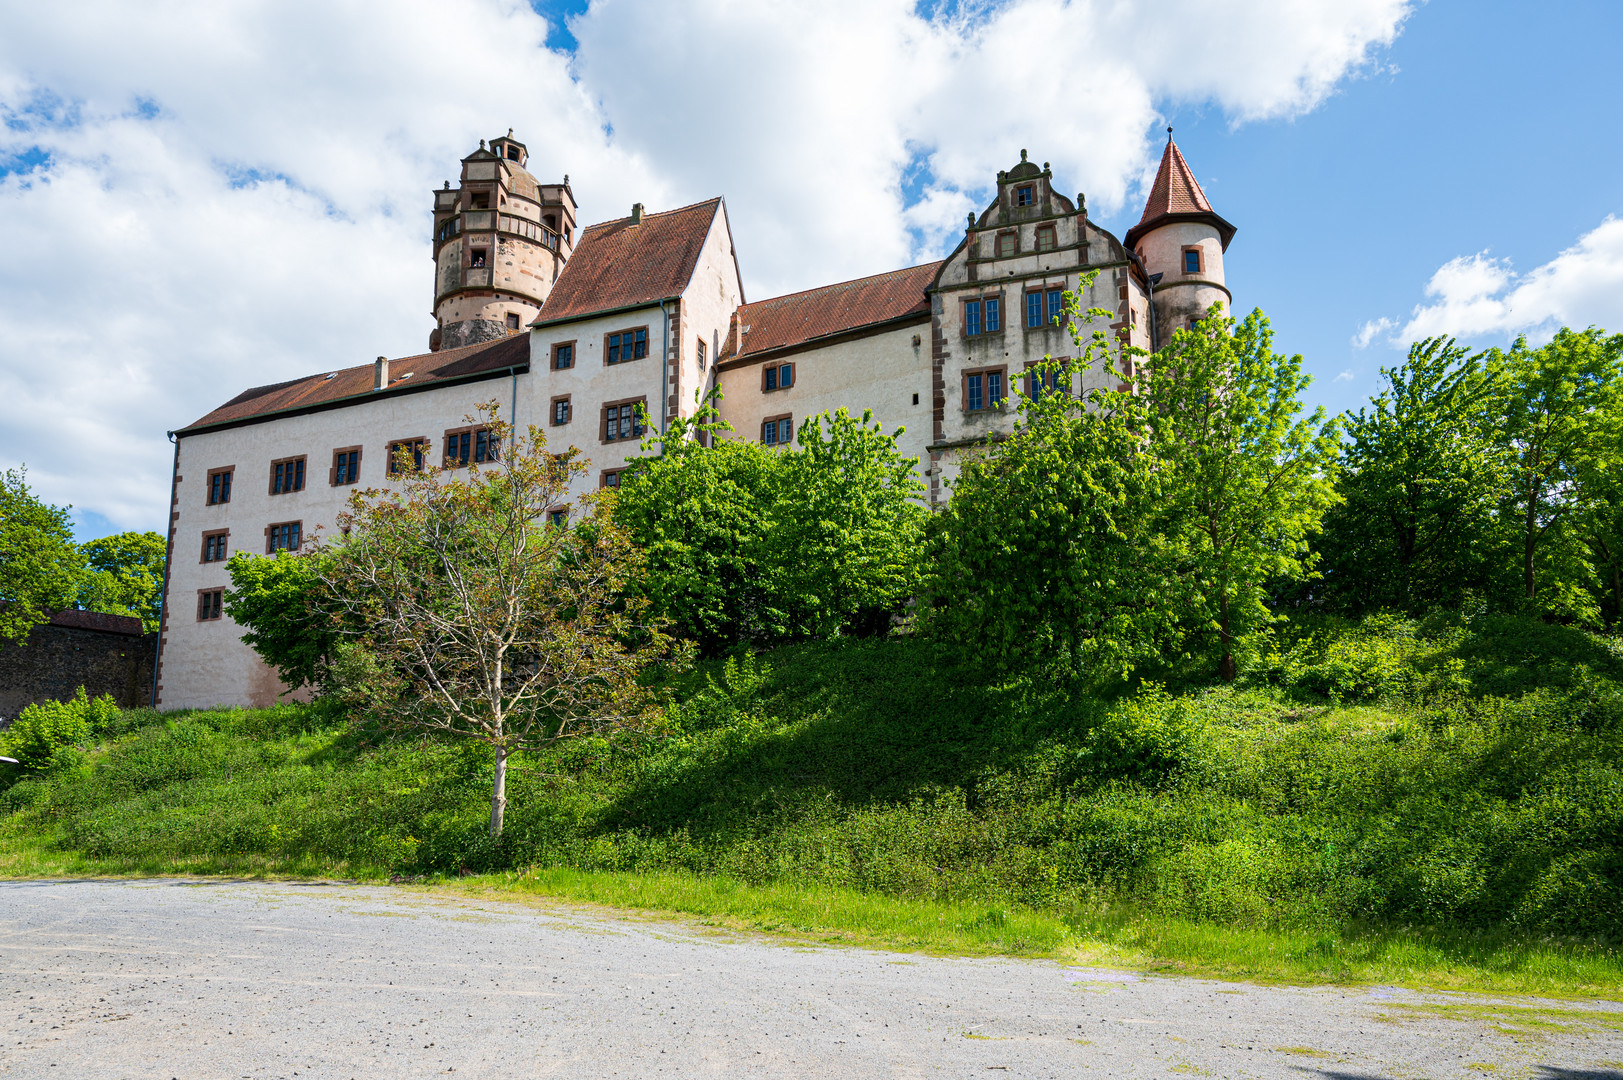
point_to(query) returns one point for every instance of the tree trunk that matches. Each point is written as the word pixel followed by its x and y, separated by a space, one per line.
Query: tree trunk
pixel 1225 667
pixel 1529 544
pixel 498 792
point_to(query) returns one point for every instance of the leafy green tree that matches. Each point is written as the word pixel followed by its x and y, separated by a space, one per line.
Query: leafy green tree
pixel 848 524
pixel 1045 556
pixel 1552 405
pixel 747 544
pixel 1419 481
pixel 283 605
pixel 701 514
pixel 469 613
pixel 41 568
pixel 124 576
pixel 1245 480
pixel 43 730
pixel 1599 523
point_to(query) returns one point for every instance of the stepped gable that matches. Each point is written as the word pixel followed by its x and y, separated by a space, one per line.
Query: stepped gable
pixel 621 263
pixel 800 318
pixel 354 384
pixel 1176 196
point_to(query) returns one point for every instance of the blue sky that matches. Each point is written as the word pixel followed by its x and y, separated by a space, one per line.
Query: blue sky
pixel 201 202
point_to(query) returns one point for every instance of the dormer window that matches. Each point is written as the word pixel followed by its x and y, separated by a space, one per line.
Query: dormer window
pixel 1025 195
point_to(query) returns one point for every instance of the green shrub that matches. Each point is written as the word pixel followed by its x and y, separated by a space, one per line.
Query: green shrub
pixel 42 732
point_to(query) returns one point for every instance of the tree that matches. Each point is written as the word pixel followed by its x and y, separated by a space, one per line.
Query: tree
pixel 1419 480
pixel 471 612
pixel 41 568
pixel 1551 404
pixel 748 544
pixel 282 602
pixel 124 576
pixel 1045 555
pixel 1244 480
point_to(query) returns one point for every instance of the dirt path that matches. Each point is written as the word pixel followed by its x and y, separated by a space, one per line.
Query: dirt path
pixel 180 980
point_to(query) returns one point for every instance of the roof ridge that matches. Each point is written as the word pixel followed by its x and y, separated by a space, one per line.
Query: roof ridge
pixel 654 213
pixel 848 281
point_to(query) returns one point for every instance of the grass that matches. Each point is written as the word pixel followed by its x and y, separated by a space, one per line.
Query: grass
pixel 1429 805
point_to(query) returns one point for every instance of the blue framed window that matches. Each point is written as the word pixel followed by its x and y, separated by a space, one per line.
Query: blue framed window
pixel 993 316
pixel 1056 305
pixel 1191 262
pixel 1034 309
pixel 778 431
pixel 972 317
pixel 983 389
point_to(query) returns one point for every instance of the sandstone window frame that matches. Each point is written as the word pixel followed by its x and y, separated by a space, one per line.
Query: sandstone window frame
pixel 285 479
pixel 699 353
pixel 1025 195
pixel 284 536
pixel 468 445
pixel 1049 305
pixel 558 515
pixel 553 412
pixel 1007 243
pixel 603 435
pixel 1047 232
pixel 981 315
pixel 210 605
pixel 416 444
pixel 639 345
pixel 1199 259
pixel 352 467
pixel 217 492
pixel 989 396
pixel 1060 367
pixel 216 544
pixel 776 427
pixel 610 478
pixel 563 355
pixel 773 375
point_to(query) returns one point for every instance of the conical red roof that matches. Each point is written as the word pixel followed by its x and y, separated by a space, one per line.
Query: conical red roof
pixel 1176 195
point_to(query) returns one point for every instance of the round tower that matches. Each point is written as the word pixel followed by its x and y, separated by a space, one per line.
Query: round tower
pixel 500 240
pixel 1181 241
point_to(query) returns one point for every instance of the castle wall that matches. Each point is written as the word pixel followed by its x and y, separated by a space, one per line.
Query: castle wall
pixel 1181 296
pixel 887 372
pixel 206 663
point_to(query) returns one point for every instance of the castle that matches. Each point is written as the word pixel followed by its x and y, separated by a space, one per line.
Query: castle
pixel 576 328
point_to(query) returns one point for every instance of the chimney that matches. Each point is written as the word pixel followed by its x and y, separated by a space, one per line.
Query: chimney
pixel 380 373
pixel 636 213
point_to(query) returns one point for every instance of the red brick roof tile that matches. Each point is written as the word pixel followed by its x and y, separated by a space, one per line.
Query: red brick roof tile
pixel 617 264
pixel 1177 195
pixel 797 318
pixel 354 384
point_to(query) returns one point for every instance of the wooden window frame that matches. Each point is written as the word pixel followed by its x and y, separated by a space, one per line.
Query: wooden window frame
pixel 389 449
pixel 700 354
pixel 574 354
pixel 1053 239
pixel 1018 188
pixel 1044 307
pixel 559 508
pixel 603 419
pixel 778 366
pixel 270 548
pixel 228 471
pixel 963 387
pixel 648 345
pixel 552 410
pixel 213 534
pixel 270 487
pixel 778 420
pixel 603 477
pixel 997 244
pixel 1200 260
pixel 332 473
pixel 216 607
pixel 513 320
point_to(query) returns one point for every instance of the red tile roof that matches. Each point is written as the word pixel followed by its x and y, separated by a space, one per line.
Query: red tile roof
pixel 349 386
pixel 617 264
pixel 797 318
pixel 97 620
pixel 1176 195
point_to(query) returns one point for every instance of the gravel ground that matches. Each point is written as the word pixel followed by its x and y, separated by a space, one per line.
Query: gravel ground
pixel 174 979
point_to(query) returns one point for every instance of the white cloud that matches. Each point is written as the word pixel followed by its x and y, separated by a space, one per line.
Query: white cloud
pixel 1481 296
pixel 235 194
pixel 1373 329
pixel 1345 376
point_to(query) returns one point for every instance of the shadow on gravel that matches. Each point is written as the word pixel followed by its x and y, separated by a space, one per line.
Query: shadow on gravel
pixel 1555 1072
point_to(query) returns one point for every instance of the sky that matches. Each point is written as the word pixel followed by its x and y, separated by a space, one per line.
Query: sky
pixel 197 198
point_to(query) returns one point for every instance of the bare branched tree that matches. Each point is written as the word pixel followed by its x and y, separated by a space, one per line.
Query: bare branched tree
pixel 480 605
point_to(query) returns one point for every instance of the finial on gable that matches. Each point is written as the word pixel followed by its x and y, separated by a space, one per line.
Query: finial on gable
pixel 481 144
pixel 1022 155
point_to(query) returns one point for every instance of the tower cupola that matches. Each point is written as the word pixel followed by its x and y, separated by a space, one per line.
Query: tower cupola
pixel 1180 240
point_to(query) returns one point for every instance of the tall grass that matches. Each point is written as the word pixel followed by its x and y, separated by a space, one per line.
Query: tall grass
pixel 1376 800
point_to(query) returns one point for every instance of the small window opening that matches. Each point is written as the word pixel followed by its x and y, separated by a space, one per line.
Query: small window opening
pixel 477 259
pixel 512 153
pixel 512 320
pixel 1025 195
pixel 1191 262
pixel 1006 245
pixel 480 200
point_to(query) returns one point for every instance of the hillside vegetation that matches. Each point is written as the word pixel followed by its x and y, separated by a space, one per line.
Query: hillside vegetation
pixel 1456 779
